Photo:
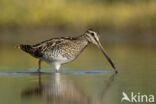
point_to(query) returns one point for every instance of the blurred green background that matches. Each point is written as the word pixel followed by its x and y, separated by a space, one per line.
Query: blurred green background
pixel 118 21
pixel 127 30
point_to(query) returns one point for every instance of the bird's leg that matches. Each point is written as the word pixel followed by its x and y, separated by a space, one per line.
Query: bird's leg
pixel 39 65
pixel 57 71
pixel 57 67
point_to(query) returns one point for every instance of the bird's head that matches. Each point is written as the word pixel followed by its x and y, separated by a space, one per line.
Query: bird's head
pixel 93 37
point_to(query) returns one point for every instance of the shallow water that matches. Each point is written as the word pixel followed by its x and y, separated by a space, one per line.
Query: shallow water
pixel 87 80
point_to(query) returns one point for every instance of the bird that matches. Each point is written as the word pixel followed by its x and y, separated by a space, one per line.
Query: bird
pixel 62 50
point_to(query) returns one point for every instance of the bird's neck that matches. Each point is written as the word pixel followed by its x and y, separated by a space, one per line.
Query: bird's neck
pixel 83 38
pixel 81 41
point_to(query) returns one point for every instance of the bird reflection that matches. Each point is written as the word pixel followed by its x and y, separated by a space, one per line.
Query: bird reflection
pixel 60 90
pixel 57 90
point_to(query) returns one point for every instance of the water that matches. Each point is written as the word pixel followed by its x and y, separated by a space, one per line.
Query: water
pixel 87 80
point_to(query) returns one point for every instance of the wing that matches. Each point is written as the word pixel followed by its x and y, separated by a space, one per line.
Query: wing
pixel 51 44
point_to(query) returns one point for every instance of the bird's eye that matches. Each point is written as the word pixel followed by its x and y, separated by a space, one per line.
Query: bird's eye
pixel 92 34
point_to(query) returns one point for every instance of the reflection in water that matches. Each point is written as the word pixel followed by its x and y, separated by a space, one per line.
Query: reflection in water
pixel 60 90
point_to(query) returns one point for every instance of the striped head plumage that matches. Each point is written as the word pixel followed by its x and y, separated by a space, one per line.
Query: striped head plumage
pixel 92 36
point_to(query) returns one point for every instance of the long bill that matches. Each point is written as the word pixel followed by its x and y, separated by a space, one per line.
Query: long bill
pixel 109 60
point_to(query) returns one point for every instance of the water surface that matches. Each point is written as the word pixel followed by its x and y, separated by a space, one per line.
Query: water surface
pixel 87 80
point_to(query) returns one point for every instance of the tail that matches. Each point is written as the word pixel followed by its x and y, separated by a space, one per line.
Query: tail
pixel 27 48
pixel 31 50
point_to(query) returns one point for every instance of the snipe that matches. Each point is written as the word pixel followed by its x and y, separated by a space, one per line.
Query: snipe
pixel 58 51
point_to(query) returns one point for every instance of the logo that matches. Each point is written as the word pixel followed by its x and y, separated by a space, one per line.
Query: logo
pixel 137 97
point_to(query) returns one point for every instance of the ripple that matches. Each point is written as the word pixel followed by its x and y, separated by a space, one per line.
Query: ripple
pixel 53 72
pixel 86 72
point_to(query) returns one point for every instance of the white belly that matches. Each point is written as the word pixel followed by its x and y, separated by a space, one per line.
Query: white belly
pixel 50 58
pixel 56 61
